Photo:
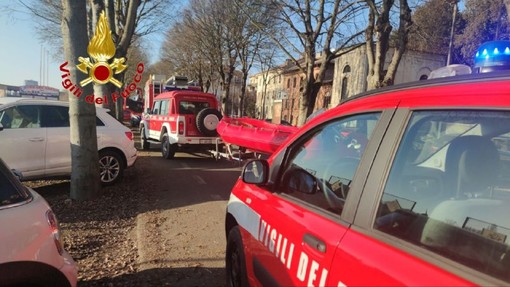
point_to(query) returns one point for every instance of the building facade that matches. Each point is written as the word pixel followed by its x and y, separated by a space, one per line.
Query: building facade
pixel 294 82
pixel 351 71
pixel 278 90
pixel 268 87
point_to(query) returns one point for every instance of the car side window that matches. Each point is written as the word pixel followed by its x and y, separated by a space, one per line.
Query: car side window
pixel 99 122
pixel 20 117
pixel 164 108
pixel 11 191
pixel 157 108
pixel 321 167
pixel 448 190
pixel 54 116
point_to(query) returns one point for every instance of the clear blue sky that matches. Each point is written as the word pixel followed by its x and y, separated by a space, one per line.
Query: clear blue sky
pixel 20 51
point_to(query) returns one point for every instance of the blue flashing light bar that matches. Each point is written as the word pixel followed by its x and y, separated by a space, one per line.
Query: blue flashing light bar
pixel 489 56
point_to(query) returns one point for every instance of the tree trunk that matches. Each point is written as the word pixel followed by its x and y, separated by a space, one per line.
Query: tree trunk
pixel 379 25
pixel 507 5
pixel 243 93
pixel 85 183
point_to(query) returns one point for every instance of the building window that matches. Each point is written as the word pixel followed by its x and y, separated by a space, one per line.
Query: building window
pixel 327 101
pixel 288 83
pixel 294 84
pixel 344 93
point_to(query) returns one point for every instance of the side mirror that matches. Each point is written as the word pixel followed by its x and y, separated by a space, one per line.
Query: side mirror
pixel 256 172
pixel 301 181
pixel 18 174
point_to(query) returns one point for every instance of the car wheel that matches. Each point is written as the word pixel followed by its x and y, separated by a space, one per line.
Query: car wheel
pixel 144 143
pixel 111 167
pixel 207 120
pixel 167 149
pixel 235 260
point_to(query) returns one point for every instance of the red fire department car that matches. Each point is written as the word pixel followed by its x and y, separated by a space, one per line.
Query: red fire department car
pixel 180 119
pixel 407 185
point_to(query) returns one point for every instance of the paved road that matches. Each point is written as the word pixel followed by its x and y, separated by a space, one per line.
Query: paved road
pixel 180 231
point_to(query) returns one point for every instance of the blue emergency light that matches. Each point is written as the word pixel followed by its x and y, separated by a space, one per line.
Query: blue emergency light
pixel 492 56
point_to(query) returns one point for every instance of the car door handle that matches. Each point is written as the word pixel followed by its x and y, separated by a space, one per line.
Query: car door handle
pixel 36 139
pixel 314 242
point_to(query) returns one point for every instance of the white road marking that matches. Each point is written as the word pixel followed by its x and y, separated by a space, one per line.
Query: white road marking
pixel 199 179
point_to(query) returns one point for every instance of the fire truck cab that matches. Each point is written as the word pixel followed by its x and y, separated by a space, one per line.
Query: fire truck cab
pixel 178 117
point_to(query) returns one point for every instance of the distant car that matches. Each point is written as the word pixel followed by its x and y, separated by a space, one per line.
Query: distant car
pixel 31 253
pixel 34 139
pixel 402 186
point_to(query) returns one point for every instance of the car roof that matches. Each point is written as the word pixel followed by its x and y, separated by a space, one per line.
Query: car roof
pixel 468 91
pixel 184 93
pixel 10 100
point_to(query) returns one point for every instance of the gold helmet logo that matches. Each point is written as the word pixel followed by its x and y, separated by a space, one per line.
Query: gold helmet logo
pixel 101 48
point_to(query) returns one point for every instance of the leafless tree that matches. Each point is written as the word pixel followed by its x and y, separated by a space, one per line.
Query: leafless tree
pixel 250 21
pixel 378 34
pixel 85 183
pixel 128 20
pixel 181 53
pixel 314 24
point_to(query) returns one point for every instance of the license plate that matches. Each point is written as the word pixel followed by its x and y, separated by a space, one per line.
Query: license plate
pixel 206 141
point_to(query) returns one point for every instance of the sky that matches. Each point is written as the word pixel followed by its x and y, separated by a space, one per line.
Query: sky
pixel 21 56
pixel 20 53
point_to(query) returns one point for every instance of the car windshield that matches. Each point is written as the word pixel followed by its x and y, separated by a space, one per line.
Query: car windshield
pixel 11 190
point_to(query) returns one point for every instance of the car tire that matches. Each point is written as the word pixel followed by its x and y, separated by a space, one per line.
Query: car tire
pixel 111 167
pixel 235 260
pixel 207 120
pixel 144 143
pixel 167 149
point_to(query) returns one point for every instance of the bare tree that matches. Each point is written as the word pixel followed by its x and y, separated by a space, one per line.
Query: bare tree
pixel 314 25
pixel 183 55
pixel 85 183
pixel 252 20
pixel 378 33
pixel 128 20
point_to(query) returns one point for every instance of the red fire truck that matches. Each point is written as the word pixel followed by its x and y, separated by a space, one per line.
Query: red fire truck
pixel 178 116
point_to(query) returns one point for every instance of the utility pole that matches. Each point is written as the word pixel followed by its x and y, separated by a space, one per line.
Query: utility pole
pixel 452 32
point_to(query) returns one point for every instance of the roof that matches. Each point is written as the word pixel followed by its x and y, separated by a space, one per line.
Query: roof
pixel 183 93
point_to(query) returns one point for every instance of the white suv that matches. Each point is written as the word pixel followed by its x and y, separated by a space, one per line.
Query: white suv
pixel 34 139
pixel 31 253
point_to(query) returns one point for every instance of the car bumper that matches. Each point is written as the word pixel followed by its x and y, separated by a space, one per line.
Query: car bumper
pixel 131 158
pixel 70 269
